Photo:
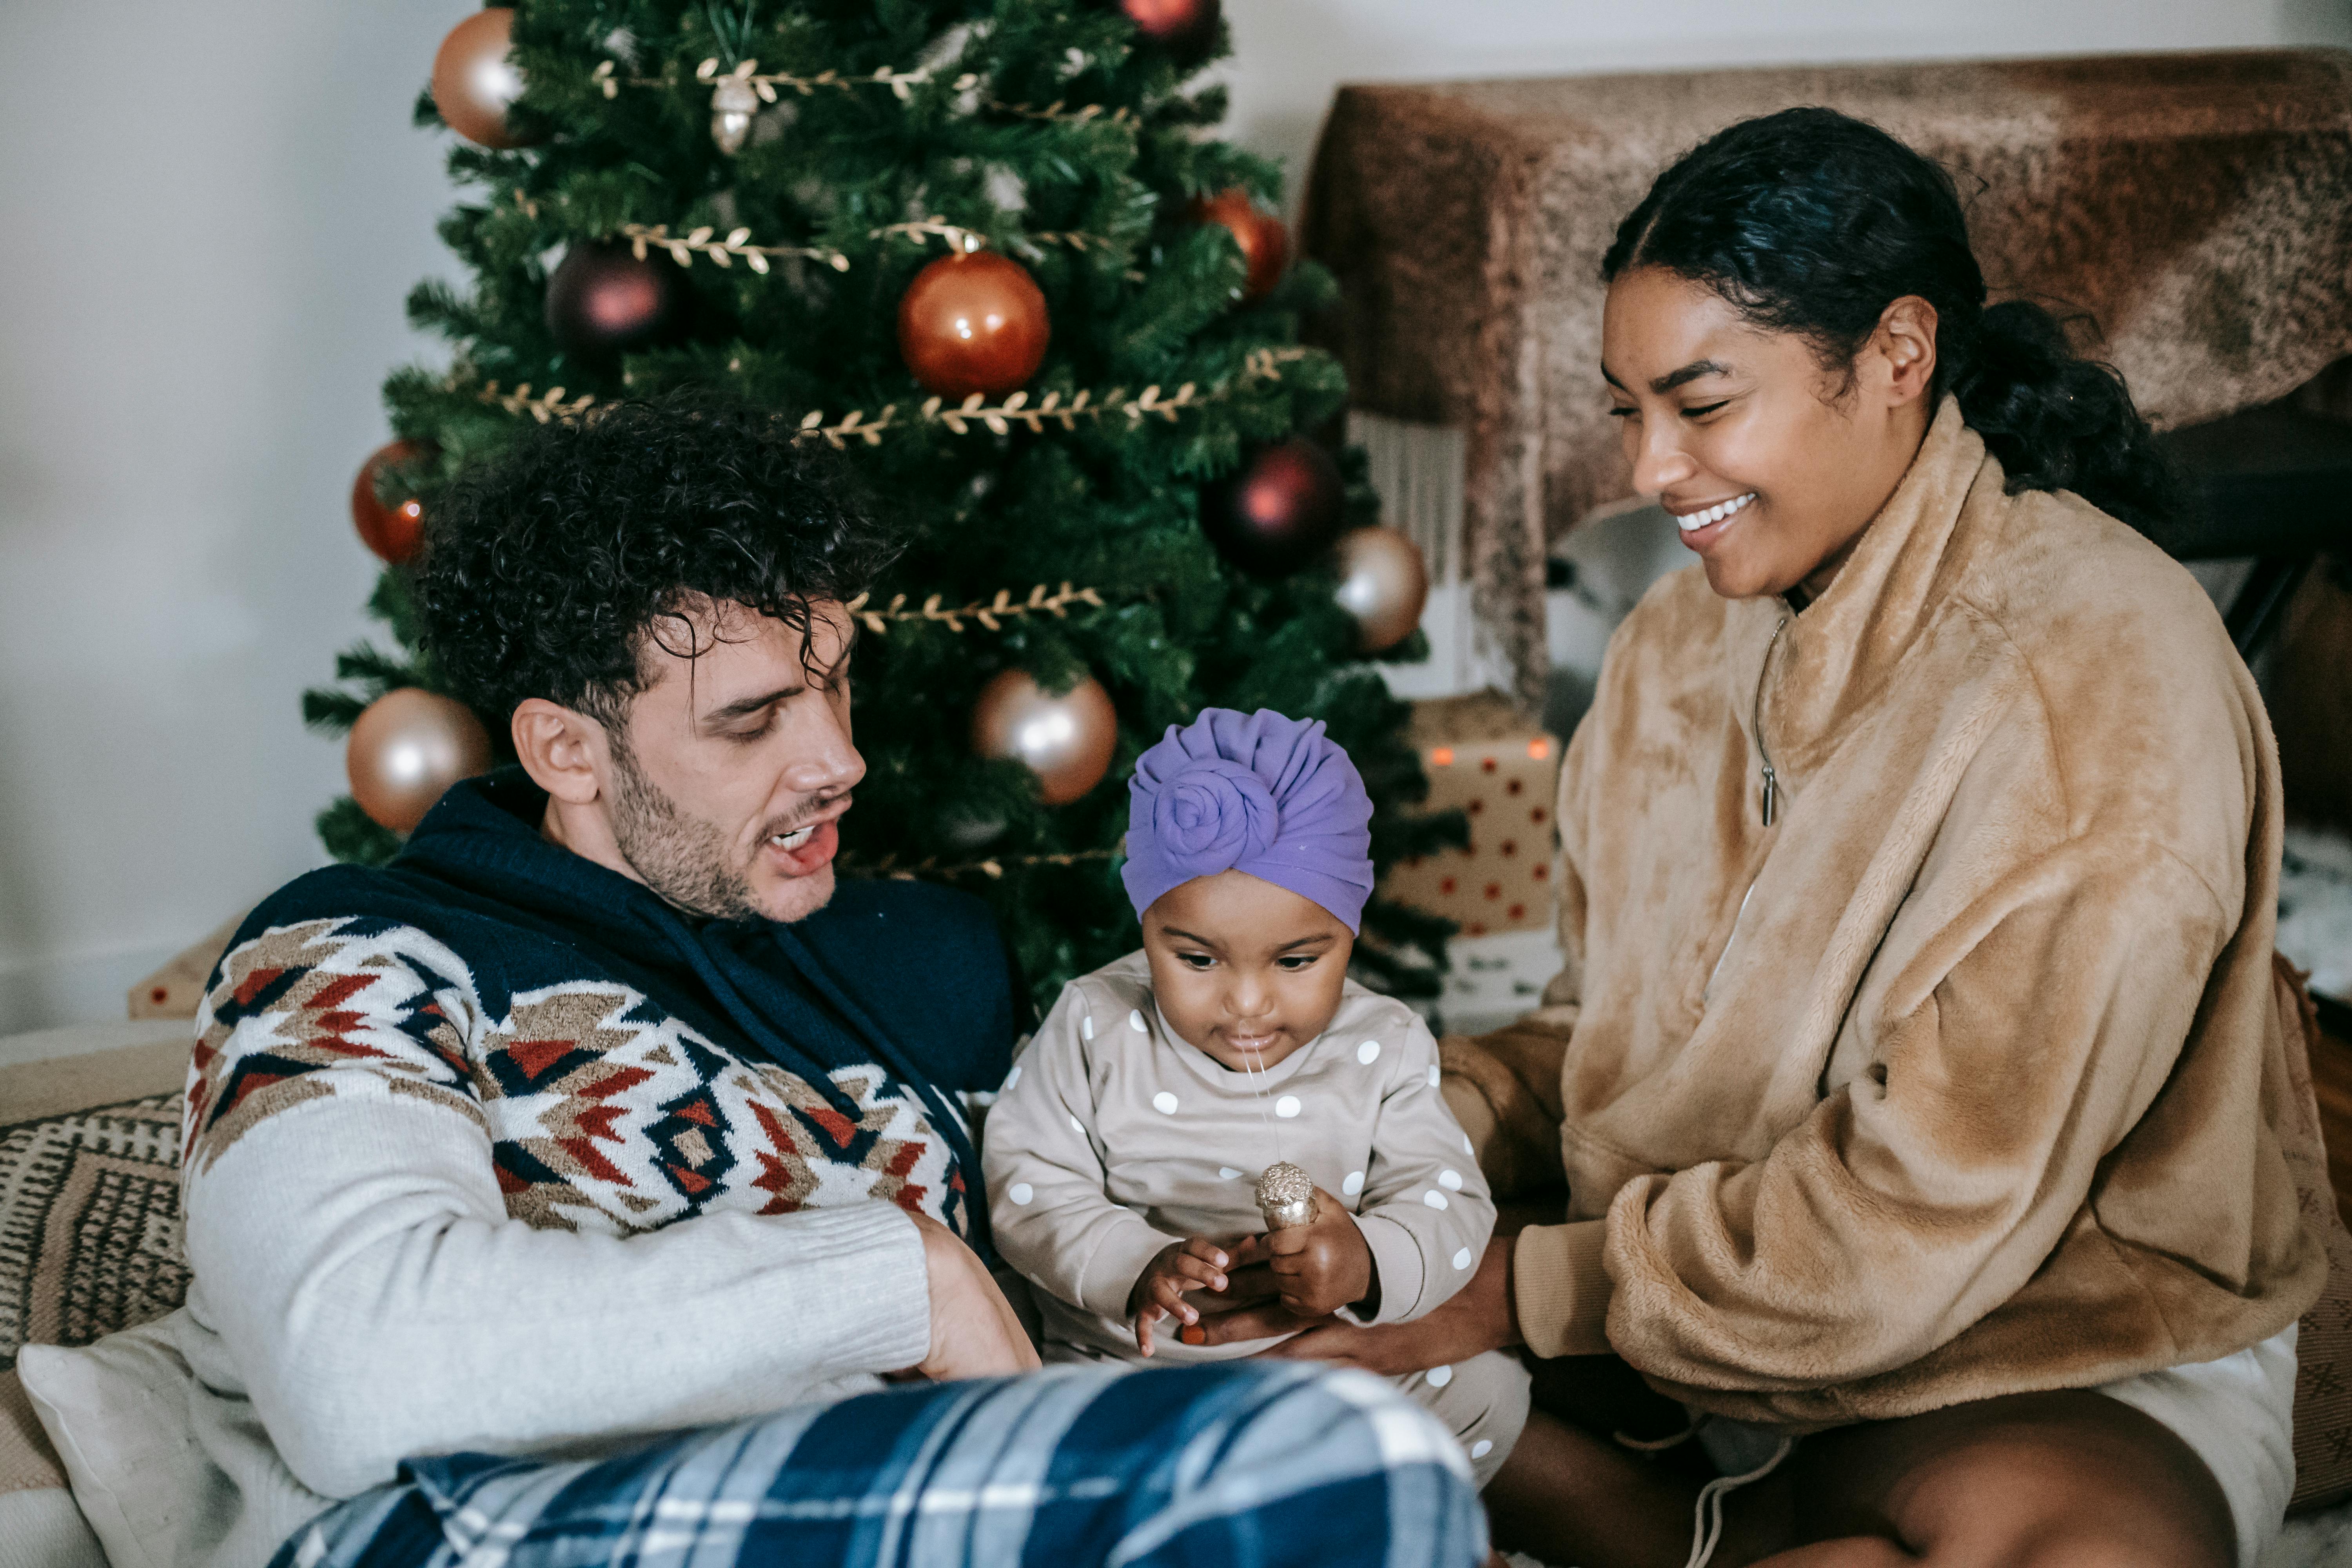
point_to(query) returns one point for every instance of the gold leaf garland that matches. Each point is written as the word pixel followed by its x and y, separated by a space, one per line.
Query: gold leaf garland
pixel 548 406
pixel 902 85
pixel 990 613
pixel 705 241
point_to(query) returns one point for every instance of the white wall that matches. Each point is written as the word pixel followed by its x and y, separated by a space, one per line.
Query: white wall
pixel 1289 54
pixel 216 211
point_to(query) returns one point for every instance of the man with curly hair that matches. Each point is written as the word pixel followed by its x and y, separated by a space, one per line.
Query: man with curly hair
pixel 575 1188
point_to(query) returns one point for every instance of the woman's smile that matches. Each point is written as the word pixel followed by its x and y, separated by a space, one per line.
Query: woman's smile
pixel 1702 526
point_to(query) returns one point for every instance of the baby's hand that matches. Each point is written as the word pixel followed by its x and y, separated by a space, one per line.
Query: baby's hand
pixel 1198 1264
pixel 1320 1268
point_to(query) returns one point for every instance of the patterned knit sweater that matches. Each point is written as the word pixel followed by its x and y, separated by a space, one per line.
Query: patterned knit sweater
pixel 492 1149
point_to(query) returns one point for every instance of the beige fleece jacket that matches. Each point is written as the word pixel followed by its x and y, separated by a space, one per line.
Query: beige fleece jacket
pixel 1963 1077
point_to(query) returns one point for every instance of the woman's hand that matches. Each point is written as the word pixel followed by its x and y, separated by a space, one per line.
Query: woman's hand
pixel 1196 1264
pixel 1480 1317
pixel 974 1331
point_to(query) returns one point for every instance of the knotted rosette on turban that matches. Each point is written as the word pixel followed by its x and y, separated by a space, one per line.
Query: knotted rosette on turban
pixel 1256 793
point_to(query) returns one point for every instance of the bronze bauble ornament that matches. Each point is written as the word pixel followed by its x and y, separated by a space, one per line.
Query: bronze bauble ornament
pixel 408 749
pixel 394 533
pixel 1066 740
pixel 1286 1196
pixel 1185 29
pixel 1265 244
pixel 1383 583
pixel 473 80
pixel 604 299
pixel 974 321
pixel 1280 513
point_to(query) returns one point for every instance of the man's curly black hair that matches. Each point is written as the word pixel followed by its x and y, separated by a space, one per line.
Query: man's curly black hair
pixel 546 569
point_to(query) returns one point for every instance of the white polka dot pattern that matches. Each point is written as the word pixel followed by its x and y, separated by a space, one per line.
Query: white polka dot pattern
pixel 1021 1192
pixel 1433 1075
pixel 1481 1449
pixel 1368 1052
pixel 1353 1185
pixel 1227 1172
pixel 1287 1106
pixel 1014 1076
pixel 1439 1376
pixel 1450 1180
pixel 1466 1148
pixel 1078 1127
pixel 1164 1103
pixel 1461 1258
pixel 1433 1198
pixel 1135 1022
pixel 1086 1026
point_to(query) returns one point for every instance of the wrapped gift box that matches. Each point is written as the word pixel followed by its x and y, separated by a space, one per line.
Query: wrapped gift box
pixel 1501 770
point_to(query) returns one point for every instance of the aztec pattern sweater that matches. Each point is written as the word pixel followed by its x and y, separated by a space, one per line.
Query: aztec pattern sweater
pixel 445 1121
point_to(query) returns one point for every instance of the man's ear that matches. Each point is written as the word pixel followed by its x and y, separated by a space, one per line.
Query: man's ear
pixel 562 751
pixel 1906 342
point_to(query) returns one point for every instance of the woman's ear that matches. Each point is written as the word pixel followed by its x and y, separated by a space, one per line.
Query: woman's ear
pixel 1904 346
pixel 561 749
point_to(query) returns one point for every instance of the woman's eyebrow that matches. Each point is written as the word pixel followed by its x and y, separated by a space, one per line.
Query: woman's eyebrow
pixel 1691 372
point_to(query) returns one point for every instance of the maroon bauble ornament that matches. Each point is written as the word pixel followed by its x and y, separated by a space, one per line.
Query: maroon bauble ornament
pixel 1265 244
pixel 974 321
pixel 1066 740
pixel 1383 583
pixel 473 80
pixel 1186 30
pixel 1280 513
pixel 405 751
pixel 604 299
pixel 394 533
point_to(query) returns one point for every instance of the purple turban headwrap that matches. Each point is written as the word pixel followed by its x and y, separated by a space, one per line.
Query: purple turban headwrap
pixel 1256 793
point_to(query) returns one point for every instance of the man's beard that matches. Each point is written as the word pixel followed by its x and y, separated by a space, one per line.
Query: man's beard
pixel 680 857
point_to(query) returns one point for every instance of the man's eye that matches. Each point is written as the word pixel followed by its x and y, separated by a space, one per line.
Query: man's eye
pixel 756 732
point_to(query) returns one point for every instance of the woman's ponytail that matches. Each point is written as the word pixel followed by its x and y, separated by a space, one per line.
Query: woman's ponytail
pixel 1809 221
pixel 2057 420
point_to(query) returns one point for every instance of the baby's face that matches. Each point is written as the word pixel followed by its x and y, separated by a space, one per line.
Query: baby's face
pixel 1243 970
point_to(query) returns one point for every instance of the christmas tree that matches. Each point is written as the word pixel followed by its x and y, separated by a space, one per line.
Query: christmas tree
pixel 989 251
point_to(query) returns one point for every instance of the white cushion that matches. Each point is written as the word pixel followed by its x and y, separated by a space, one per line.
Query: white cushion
pixel 41 1528
pixel 118 1412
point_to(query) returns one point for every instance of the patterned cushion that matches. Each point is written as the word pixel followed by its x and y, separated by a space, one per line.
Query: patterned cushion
pixel 89 1222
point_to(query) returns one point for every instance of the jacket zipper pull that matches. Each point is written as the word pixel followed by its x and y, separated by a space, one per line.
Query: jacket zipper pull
pixel 1756 725
pixel 1771 789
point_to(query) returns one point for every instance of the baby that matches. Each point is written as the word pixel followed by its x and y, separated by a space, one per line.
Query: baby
pixel 1123 1154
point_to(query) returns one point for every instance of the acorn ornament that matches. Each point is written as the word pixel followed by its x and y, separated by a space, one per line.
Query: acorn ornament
pixel 1286 1196
pixel 733 103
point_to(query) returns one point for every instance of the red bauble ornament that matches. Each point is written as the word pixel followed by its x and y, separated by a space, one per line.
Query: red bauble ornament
pixel 405 751
pixel 394 533
pixel 1066 740
pixel 605 299
pixel 1280 513
pixel 1265 244
pixel 1187 29
pixel 474 81
pixel 974 321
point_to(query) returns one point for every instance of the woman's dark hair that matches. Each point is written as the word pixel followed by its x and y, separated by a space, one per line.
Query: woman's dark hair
pixel 548 568
pixel 1813 222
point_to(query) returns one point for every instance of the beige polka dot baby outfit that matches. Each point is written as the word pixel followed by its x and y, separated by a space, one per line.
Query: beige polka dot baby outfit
pixel 1113 1138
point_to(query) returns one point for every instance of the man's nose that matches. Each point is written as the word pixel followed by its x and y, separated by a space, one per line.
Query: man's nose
pixel 825 761
pixel 1659 459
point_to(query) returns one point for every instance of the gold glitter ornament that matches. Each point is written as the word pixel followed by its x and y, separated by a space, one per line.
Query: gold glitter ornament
pixel 1286 1196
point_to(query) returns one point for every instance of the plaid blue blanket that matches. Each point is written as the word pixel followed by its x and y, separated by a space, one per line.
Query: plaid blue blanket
pixel 1242 1465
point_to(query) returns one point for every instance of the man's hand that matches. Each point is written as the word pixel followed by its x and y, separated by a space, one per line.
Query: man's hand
pixel 1196 1264
pixel 1320 1268
pixel 974 1332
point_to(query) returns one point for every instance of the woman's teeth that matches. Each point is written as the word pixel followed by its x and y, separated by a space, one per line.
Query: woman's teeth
pixel 793 840
pixel 1693 521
